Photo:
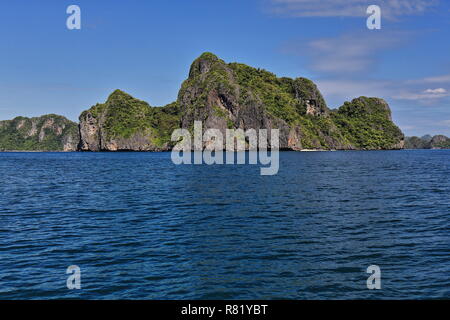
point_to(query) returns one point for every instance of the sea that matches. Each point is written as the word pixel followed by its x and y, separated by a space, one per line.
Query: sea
pixel 137 226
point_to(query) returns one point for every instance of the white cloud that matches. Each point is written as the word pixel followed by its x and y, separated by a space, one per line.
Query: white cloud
pixel 436 91
pixel 349 8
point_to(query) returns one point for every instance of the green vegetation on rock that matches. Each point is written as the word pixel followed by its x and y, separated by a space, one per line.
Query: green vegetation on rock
pixel 284 98
pixel 366 123
pixel 46 133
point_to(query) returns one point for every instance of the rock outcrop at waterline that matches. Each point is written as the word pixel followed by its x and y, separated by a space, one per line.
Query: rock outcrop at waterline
pixel 226 96
pixel 46 133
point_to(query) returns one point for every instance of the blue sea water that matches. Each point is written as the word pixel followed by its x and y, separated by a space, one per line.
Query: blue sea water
pixel 140 227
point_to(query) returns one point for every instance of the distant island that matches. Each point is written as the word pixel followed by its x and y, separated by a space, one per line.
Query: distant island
pixel 427 142
pixel 222 96
pixel 50 132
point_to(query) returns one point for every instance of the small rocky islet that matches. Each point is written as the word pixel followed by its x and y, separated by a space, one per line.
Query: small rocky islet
pixel 223 96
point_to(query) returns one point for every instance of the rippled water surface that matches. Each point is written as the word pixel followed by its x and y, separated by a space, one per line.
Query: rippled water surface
pixel 140 227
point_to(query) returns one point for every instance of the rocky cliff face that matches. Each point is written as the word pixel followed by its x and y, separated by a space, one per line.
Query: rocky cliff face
pixel 46 133
pixel 124 123
pixel 234 95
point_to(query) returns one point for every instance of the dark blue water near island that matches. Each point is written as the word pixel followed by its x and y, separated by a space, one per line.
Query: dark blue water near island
pixel 140 227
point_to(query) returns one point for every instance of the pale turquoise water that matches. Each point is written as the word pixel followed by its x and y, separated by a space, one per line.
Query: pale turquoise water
pixel 140 227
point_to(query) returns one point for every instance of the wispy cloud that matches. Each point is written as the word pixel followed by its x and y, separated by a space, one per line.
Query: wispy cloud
pixel 428 94
pixel 433 80
pixel 341 90
pixel 347 53
pixel 349 8
pixel 438 79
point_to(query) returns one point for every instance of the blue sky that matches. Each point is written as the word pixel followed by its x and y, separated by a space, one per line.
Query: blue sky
pixel 146 47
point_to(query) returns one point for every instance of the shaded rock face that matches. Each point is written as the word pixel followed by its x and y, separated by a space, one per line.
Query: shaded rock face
pixel 236 96
pixel 90 139
pixel 46 133
pixel 124 123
